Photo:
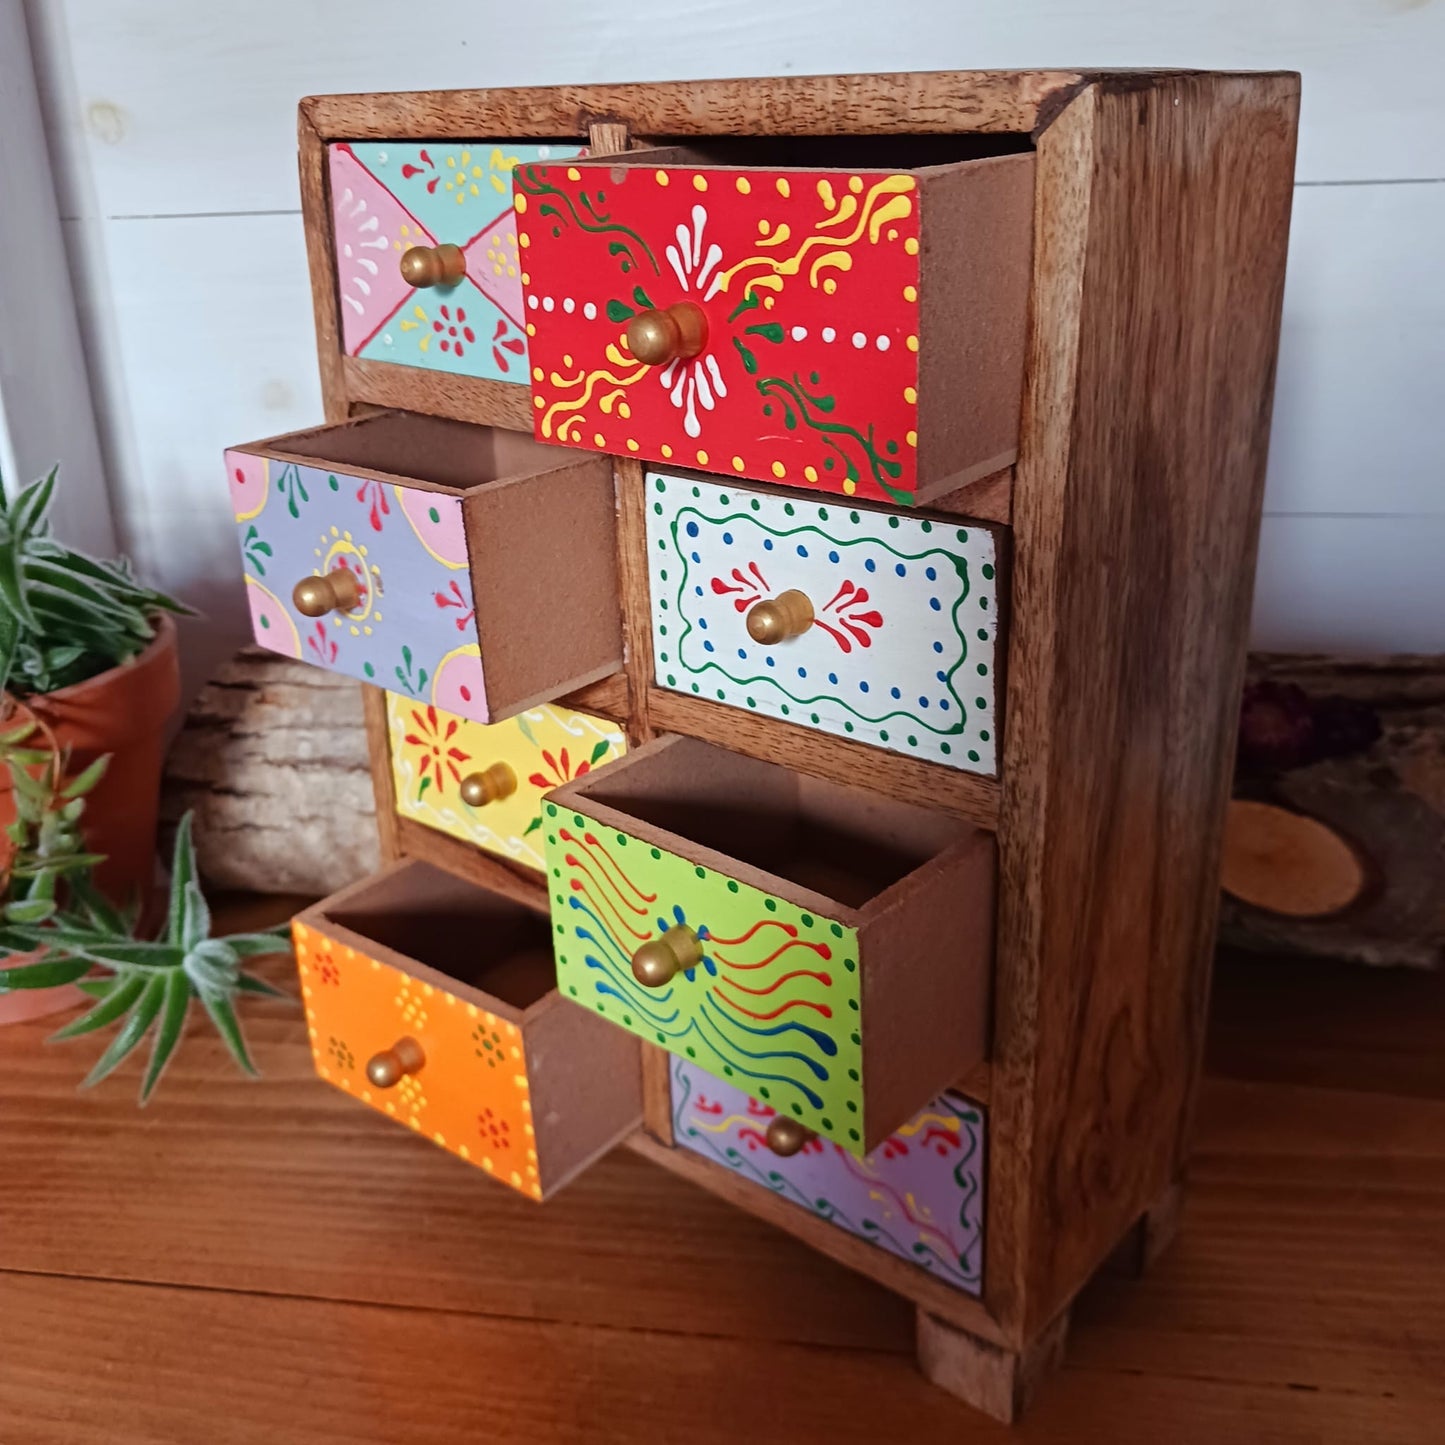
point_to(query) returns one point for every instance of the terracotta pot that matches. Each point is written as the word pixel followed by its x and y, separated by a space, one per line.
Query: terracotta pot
pixel 123 712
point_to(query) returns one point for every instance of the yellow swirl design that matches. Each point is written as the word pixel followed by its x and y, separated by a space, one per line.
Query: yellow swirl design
pixel 887 201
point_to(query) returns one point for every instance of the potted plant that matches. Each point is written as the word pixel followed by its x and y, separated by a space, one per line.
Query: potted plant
pixel 57 928
pixel 90 652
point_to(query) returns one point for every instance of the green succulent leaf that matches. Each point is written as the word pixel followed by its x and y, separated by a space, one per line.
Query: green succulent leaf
pixel 131 1032
pixel 256 945
pixel 183 874
pixel 116 1002
pixel 175 1004
pixel 84 781
pixel 27 516
pixel 223 1015
pixel 48 973
pixel 249 983
pixel 195 917
pixel 29 910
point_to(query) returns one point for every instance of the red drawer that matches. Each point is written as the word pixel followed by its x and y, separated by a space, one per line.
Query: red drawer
pixel 853 331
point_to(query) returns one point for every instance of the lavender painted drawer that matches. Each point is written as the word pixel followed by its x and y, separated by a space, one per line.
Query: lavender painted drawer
pixel 895 645
pixel 390 196
pixel 423 555
pixel 919 1194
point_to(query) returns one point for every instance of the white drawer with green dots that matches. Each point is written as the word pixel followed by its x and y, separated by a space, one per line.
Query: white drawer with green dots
pixel 870 624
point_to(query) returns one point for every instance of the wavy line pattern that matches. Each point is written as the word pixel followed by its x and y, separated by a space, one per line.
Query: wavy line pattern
pixel 777 1009
pixel 920 1201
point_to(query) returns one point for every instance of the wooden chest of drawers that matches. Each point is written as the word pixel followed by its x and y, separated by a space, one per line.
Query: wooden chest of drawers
pixel 797 538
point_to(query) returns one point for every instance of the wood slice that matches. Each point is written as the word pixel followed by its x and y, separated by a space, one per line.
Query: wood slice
pixel 1287 863
pixel 272 760
pixel 1387 799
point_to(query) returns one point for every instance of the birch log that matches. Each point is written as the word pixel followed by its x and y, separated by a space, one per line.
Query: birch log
pixel 272 760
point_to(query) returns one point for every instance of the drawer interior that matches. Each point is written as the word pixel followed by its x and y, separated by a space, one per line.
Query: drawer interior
pixel 476 938
pixel 454 455
pixel 824 153
pixel 845 843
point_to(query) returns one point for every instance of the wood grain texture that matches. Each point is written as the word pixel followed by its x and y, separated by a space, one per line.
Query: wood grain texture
pixel 273 759
pixel 966 795
pixel 263 1287
pixel 909 104
pixel 383 780
pixel 321 264
pixel 1160 235
pixel 439 393
pixel 999 1382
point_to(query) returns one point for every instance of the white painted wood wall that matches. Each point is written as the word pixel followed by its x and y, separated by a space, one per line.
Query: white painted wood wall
pixel 172 126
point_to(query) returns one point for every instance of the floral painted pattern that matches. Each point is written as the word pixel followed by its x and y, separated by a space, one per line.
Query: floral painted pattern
pixel 918 1195
pixel 413 628
pixel 809 282
pixel 901 651
pixel 432 750
pixel 389 196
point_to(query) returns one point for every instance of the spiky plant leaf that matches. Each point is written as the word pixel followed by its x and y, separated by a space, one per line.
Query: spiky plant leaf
pixel 85 780
pixel 47 973
pixel 131 1032
pixel 249 983
pixel 117 1001
pixel 183 874
pixel 175 1004
pixel 195 918
pixel 223 1015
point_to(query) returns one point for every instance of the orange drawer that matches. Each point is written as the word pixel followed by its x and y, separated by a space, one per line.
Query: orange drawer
pixel 858 331
pixel 434 1001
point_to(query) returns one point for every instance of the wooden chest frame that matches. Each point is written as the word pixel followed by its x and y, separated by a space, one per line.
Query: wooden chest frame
pixel 1160 225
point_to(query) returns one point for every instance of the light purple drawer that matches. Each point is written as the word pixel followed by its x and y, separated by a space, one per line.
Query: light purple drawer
pixel 919 1194
pixel 419 554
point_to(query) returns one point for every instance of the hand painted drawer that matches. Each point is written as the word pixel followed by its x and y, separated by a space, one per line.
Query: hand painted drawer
pixel 425 238
pixel 434 1002
pixel 849 331
pixel 919 1195
pixel 484 783
pixel 825 948
pixel 856 621
pixel 422 555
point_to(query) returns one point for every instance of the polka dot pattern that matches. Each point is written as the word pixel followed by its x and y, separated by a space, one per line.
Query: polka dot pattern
pixel 900 652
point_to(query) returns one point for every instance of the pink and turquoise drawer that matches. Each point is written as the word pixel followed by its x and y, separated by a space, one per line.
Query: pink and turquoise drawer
pixel 918 1195
pixel 826 948
pixel 419 554
pixel 856 331
pixel 869 624
pixel 457 304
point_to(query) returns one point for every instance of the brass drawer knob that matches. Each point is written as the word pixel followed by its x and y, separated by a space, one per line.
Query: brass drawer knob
pixel 787 615
pixel 488 786
pixel 424 266
pixel 392 1065
pixel 338 591
pixel 673 333
pixel 786 1137
pixel 658 962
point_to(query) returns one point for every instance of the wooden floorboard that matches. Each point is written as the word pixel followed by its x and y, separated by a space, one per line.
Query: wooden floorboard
pixel 268 1262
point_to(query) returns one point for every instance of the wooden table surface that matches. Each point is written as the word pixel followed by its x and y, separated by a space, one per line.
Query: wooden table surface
pixel 269 1262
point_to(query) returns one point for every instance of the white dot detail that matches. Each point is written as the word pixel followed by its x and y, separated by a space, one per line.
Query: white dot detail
pixel 544 153
pixel 882 343
pixel 532 303
pixel 569 306
pixel 828 334
pixel 590 311
pixel 859 340
pixel 548 304
pixel 799 333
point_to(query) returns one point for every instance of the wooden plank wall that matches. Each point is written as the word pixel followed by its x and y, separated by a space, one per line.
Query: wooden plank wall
pixel 173 132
